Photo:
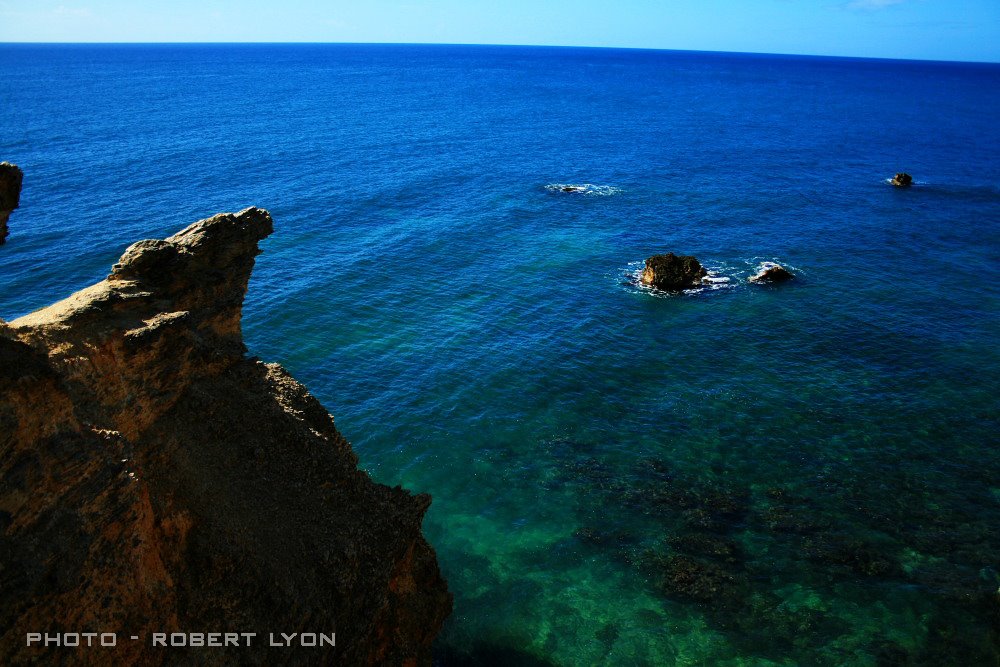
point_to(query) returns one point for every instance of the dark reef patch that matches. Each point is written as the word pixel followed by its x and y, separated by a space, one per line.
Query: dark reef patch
pixel 718 546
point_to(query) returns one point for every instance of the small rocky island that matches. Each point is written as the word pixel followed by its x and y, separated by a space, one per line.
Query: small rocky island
pixel 902 180
pixel 10 194
pixel 769 272
pixel 155 479
pixel 672 272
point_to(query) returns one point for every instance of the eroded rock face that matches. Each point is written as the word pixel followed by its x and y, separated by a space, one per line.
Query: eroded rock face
pixel 769 272
pixel 154 479
pixel 673 272
pixel 10 194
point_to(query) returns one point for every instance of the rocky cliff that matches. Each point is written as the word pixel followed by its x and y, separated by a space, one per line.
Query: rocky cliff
pixel 10 194
pixel 154 479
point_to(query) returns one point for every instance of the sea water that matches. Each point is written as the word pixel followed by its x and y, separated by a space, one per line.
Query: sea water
pixel 734 475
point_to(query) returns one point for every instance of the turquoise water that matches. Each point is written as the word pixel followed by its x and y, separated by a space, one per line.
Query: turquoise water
pixel 793 475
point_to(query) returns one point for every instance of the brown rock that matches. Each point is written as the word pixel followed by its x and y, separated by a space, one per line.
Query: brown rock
pixel 902 180
pixel 769 272
pixel 673 272
pixel 154 479
pixel 10 194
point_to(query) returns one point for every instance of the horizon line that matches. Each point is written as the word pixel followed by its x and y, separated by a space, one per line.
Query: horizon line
pixel 542 46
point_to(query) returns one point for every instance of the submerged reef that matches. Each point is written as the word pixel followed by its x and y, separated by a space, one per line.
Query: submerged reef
pixel 718 545
pixel 10 194
pixel 154 479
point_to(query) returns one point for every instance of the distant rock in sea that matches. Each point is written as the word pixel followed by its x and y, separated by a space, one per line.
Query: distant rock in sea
pixel 583 189
pixel 769 272
pixel 673 272
pixel 902 180
pixel 154 479
pixel 10 194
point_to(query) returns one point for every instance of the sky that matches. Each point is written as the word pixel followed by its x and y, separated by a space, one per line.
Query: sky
pixel 918 29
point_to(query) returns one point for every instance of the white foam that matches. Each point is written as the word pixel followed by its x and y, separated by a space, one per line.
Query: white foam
pixel 713 281
pixel 754 264
pixel 584 189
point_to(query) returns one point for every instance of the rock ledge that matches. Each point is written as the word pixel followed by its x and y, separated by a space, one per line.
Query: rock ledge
pixel 154 479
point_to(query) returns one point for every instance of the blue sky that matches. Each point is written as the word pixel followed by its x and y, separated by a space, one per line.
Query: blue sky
pixel 928 29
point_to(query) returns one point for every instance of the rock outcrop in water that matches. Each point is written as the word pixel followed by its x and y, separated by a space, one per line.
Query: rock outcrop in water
pixel 153 479
pixel 902 180
pixel 10 194
pixel 673 272
pixel 769 272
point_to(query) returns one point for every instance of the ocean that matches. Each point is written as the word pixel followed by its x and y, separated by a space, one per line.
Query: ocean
pixel 796 474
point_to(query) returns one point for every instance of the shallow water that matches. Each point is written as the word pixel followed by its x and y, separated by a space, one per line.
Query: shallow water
pixel 803 474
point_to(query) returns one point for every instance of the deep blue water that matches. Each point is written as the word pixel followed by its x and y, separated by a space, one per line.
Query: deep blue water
pixel 804 474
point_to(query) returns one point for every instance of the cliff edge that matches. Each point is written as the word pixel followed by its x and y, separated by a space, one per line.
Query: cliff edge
pixel 153 479
pixel 10 194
